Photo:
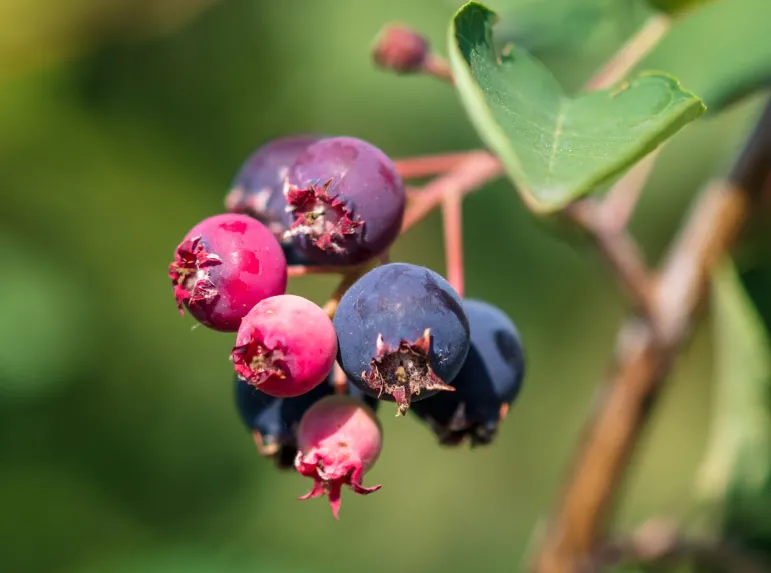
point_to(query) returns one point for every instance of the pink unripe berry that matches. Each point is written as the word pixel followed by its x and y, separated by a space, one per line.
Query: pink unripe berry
pixel 339 440
pixel 401 49
pixel 225 265
pixel 286 346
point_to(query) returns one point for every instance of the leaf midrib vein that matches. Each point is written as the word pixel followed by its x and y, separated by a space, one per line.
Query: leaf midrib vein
pixel 561 114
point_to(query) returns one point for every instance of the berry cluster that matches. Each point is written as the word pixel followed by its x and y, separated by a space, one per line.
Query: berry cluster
pixel 308 380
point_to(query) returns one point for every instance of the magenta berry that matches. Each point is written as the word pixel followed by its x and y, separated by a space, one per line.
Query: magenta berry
pixel 225 265
pixel 286 346
pixel 347 201
pixel 339 440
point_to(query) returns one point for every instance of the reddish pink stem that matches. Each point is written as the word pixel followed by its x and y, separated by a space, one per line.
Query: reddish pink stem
pixel 428 165
pixel 452 217
pixel 439 68
pixel 477 169
pixel 302 270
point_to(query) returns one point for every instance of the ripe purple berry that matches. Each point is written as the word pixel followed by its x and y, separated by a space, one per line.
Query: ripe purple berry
pixel 273 422
pixel 402 333
pixel 487 384
pixel 339 440
pixel 286 346
pixel 258 188
pixel 347 201
pixel 225 265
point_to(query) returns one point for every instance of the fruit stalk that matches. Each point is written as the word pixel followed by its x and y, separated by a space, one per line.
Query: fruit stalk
pixel 620 250
pixel 477 169
pixel 429 165
pixel 629 394
pixel 452 216
pixel 350 277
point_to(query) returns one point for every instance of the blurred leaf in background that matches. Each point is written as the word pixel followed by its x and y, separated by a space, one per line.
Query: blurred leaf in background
pixel 563 25
pixel 736 475
pixel 36 32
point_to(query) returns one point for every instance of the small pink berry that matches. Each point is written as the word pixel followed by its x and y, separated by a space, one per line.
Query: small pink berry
pixel 339 440
pixel 286 346
pixel 225 265
pixel 401 49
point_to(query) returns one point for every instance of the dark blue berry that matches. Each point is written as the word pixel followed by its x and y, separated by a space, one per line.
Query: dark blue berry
pixel 347 201
pixel 488 383
pixel 402 333
pixel 274 421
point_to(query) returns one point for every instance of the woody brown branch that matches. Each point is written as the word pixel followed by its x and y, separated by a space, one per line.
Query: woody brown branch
pixel 628 395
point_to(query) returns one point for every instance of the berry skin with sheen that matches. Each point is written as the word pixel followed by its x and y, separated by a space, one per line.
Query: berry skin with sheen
pixel 225 265
pixel 286 346
pixel 273 421
pixel 487 384
pixel 402 333
pixel 258 188
pixel 346 199
pixel 339 440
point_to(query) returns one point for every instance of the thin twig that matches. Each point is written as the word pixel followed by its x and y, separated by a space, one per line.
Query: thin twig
pixel 618 205
pixel 350 277
pixel 627 398
pixel 340 380
pixel 620 251
pixel 439 68
pixel 452 217
pixel 429 165
pixel 305 270
pixel 631 53
pixel 477 169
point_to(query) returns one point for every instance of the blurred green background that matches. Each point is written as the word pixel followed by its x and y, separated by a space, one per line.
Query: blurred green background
pixel 121 125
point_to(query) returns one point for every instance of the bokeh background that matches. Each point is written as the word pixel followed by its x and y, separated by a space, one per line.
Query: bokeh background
pixel 122 123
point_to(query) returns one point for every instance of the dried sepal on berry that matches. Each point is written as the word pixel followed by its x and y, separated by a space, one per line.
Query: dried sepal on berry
pixel 256 363
pixel 487 384
pixel 189 274
pixel 345 200
pixel 225 265
pixel 404 371
pixel 323 219
pixel 286 346
pixel 339 440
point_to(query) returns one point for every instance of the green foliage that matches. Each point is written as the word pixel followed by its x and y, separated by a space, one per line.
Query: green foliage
pixel 136 462
pixel 724 66
pixel 736 474
pixel 43 300
pixel 559 25
pixel 676 6
pixel 556 148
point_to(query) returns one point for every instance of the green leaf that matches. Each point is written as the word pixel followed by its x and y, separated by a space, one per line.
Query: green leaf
pixel 722 67
pixel 676 6
pixel 559 25
pixel 736 472
pixel 555 148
